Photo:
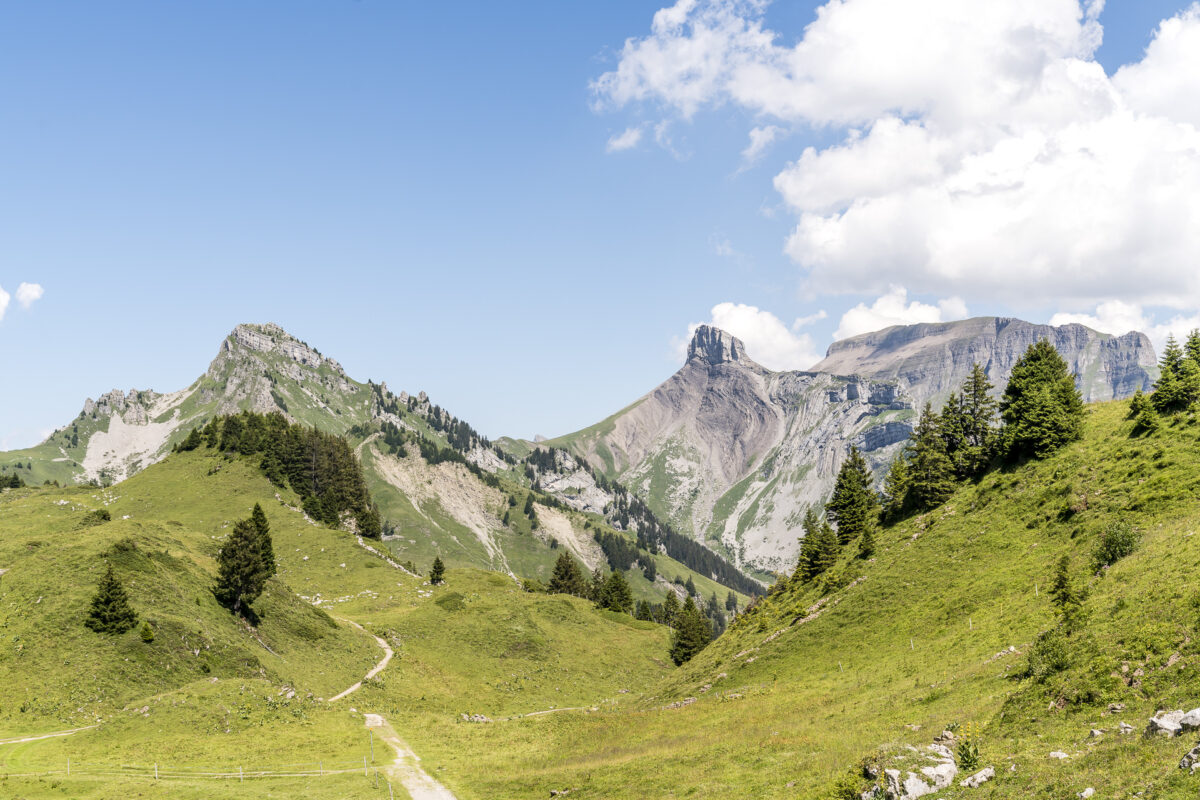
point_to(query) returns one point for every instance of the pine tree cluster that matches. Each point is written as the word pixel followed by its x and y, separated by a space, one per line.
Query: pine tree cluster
pixel 1177 388
pixel 320 467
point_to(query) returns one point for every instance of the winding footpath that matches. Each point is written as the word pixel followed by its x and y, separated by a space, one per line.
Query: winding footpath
pixel 406 769
pixel 378 668
pixel 46 735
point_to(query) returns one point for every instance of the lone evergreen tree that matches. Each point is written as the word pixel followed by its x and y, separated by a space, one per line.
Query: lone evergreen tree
pixel 1042 410
pixel 241 570
pixel 110 612
pixel 437 574
pixel 692 633
pixel 596 585
pixel 567 577
pixel 691 587
pixel 853 505
pixel 731 601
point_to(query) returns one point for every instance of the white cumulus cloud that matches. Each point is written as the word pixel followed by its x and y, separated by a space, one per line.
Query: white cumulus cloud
pixel 4 299
pixel 761 139
pixel 28 293
pixel 1117 317
pixel 893 308
pixel 625 140
pixel 768 340
pixel 978 147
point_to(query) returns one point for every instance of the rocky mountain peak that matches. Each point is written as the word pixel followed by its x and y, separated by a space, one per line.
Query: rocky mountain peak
pixel 715 346
pixel 270 338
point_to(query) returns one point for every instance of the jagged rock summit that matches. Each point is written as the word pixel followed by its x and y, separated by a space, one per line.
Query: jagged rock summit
pixel 714 346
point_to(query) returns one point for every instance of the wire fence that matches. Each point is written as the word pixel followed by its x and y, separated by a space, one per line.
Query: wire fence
pixel 312 769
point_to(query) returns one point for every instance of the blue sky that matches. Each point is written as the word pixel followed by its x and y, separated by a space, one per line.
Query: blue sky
pixel 432 195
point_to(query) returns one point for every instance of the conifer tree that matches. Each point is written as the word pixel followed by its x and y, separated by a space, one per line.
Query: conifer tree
pixel 670 610
pixel 241 570
pixel 978 415
pixel 643 611
pixel 1063 594
pixel 596 585
pixel 866 545
pixel 437 574
pixel 731 603
pixel 1169 390
pixel 1042 410
pixel 691 587
pixel 567 577
pixel 615 594
pixel 263 528
pixel 853 505
pixel 692 633
pixel 895 488
pixel 110 611
pixel 1142 412
pixel 930 472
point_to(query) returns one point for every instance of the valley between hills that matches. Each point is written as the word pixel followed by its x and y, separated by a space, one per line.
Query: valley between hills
pixel 1012 618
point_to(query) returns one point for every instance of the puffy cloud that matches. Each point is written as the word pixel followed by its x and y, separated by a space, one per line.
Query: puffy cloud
pixel 625 140
pixel 761 139
pixel 1117 317
pixel 979 148
pixel 28 293
pixel 4 298
pixel 768 340
pixel 893 308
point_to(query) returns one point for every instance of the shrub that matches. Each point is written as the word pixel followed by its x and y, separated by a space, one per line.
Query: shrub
pixel 1049 655
pixel 147 633
pixel 1119 540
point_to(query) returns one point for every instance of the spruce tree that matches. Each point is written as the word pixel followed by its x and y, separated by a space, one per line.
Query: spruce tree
pixel 1042 410
pixel 615 594
pixel 643 611
pixel 691 587
pixel 978 417
pixel 1142 412
pixel 263 528
pixel 692 633
pixel 866 545
pixel 437 574
pixel 1063 594
pixel 567 577
pixel 895 488
pixel 930 471
pixel 670 610
pixel 731 603
pixel 853 505
pixel 110 611
pixel 596 585
pixel 241 570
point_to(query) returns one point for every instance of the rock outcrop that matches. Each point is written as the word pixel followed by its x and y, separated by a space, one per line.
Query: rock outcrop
pixel 734 453
pixel 932 359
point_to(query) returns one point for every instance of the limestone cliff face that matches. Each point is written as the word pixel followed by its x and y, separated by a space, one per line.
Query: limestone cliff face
pixel 932 359
pixel 734 453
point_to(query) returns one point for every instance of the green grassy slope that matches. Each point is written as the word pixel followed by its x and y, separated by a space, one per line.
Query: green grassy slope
pixel 211 694
pixel 798 693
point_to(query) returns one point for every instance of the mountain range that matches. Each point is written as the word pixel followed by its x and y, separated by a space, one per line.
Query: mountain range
pixel 725 451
